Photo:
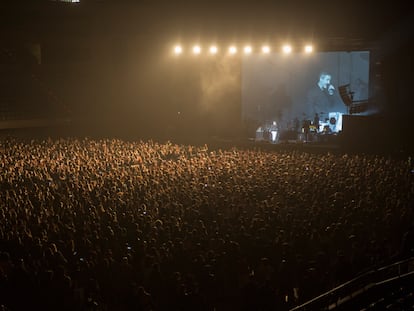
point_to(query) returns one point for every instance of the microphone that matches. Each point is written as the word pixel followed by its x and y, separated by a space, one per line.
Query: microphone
pixel 331 89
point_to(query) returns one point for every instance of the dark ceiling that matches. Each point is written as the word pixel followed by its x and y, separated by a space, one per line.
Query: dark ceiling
pixel 318 20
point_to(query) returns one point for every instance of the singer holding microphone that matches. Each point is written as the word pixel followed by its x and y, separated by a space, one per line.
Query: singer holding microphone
pixel 323 98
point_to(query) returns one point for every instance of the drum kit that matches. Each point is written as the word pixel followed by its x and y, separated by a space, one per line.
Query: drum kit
pixel 331 124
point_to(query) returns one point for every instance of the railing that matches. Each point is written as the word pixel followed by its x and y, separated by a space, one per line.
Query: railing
pixel 359 285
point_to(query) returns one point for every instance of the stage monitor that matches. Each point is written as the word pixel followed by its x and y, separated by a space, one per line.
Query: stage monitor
pixel 290 87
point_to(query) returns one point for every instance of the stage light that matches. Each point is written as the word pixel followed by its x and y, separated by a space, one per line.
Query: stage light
pixel 178 49
pixel 213 49
pixel 265 49
pixel 196 49
pixel 247 49
pixel 308 48
pixel 287 49
pixel 232 50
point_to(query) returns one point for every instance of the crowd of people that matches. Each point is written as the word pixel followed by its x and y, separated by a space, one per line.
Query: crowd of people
pixel 141 225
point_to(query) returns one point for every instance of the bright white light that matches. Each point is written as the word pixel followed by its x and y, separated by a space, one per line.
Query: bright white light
pixel 232 50
pixel 265 49
pixel 196 49
pixel 178 49
pixel 213 49
pixel 308 48
pixel 287 49
pixel 247 49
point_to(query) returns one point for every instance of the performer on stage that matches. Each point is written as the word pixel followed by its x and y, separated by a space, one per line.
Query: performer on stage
pixel 316 121
pixel 274 132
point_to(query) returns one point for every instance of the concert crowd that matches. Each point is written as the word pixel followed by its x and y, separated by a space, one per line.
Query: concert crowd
pixel 141 225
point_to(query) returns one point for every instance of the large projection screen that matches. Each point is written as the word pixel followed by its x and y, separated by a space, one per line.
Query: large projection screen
pixel 281 87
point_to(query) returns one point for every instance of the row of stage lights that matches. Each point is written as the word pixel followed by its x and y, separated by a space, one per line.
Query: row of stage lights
pixel 265 49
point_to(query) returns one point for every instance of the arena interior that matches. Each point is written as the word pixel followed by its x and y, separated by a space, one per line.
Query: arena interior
pixel 180 156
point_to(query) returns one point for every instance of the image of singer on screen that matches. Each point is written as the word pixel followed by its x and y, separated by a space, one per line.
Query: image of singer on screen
pixel 323 97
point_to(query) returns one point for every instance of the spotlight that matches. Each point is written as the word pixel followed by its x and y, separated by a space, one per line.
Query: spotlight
pixel 308 48
pixel 196 49
pixel 265 49
pixel 178 49
pixel 247 49
pixel 232 50
pixel 287 49
pixel 213 49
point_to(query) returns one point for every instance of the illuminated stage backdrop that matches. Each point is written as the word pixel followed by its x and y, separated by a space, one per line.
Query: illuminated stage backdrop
pixel 277 86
